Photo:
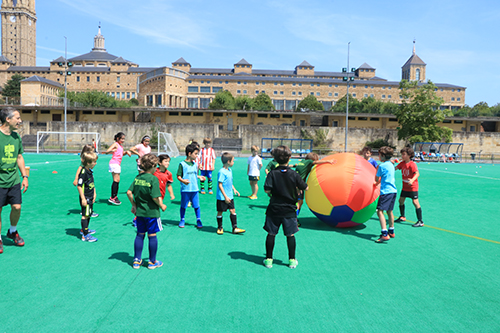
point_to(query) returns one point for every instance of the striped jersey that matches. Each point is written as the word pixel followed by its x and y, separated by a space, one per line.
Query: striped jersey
pixel 207 159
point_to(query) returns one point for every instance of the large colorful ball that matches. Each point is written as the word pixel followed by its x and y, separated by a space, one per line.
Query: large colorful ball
pixel 342 194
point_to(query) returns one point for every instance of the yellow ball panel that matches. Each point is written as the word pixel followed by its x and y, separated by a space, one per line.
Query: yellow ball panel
pixel 315 197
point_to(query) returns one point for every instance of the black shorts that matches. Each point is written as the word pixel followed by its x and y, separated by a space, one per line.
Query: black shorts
pixel 11 196
pixel 272 225
pixel 409 194
pixel 301 195
pixel 253 178
pixel 386 201
pixel 222 206
pixel 87 210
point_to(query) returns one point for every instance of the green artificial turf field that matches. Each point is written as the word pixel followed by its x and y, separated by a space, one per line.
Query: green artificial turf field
pixel 443 277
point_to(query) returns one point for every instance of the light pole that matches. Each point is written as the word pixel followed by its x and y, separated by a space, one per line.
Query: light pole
pixel 65 88
pixel 349 77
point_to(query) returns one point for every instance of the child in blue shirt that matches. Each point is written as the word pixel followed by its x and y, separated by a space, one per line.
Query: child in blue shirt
pixel 187 174
pixel 388 192
pixel 225 190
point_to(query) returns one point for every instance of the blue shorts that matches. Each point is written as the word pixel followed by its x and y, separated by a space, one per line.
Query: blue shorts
pixel 186 197
pixel 151 225
pixel 206 173
pixel 386 201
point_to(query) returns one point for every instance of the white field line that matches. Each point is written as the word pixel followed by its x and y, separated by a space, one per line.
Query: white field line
pixel 461 174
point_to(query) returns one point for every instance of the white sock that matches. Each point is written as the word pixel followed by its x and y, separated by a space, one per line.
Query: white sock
pixel 13 229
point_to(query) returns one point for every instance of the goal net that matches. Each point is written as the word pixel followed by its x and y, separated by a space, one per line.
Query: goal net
pixel 54 142
pixel 166 145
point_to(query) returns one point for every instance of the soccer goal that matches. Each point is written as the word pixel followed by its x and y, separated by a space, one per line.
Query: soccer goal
pixel 166 145
pixel 54 142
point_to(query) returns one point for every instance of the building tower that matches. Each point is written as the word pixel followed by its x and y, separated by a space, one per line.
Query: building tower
pixel 99 41
pixel 19 31
pixel 414 68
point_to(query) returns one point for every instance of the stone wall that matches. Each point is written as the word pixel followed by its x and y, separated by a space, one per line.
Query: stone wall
pixel 488 143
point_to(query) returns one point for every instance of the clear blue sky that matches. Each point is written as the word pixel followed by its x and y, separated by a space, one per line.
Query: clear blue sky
pixel 457 39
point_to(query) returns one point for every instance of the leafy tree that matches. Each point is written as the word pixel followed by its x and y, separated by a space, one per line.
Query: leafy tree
pixel 310 103
pixel 462 112
pixel 262 102
pixel 12 87
pixel 340 106
pixel 419 114
pixel 223 100
pixel 134 102
pixel 481 109
pixel 94 98
pixel 243 102
pixel 379 143
pixel 495 110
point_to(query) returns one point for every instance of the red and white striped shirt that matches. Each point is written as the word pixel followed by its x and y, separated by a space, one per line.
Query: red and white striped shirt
pixel 207 159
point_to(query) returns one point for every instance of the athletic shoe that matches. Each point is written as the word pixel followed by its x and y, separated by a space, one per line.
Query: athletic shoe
pixel 182 223
pixel 155 265
pixel 220 231
pixel 94 214
pixel 1 246
pixel 210 192
pixel 91 232
pixel 16 238
pixel 114 201
pixel 89 238
pixel 134 222
pixel 292 263
pixel 268 263
pixel 238 231
pixel 252 197
pixel 203 192
pixel 382 239
pixel 198 224
pixel 137 263
pixel 189 204
pixel 391 233
pixel 400 219
pixel 418 224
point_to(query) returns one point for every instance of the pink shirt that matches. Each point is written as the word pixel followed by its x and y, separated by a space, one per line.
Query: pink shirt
pixel 117 155
pixel 142 150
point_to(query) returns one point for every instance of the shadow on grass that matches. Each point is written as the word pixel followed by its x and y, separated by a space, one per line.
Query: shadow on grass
pixel 74 211
pixel 75 232
pixel 123 257
pixel 237 255
pixel 252 207
pixel 315 224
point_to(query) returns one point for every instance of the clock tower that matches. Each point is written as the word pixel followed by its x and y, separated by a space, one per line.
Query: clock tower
pixel 19 31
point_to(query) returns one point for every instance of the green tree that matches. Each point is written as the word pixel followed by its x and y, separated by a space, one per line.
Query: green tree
pixel 262 102
pixel 243 102
pixel 12 87
pixel 419 114
pixel 495 110
pixel 223 100
pixel 481 109
pixel 134 101
pixel 310 103
pixel 462 112
pixel 94 98
pixel 340 106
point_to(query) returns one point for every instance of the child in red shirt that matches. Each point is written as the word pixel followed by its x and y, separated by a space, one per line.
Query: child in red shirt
pixel 165 176
pixel 410 175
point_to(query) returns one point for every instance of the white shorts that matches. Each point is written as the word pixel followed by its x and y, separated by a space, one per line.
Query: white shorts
pixel 115 168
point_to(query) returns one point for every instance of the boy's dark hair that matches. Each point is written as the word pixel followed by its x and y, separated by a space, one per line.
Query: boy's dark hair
pixel 409 151
pixel 195 143
pixel 312 156
pixel 119 135
pixel 86 149
pixel 207 140
pixel 366 148
pixel 7 112
pixel 226 157
pixel 163 157
pixel 148 162
pixel 191 148
pixel 282 154
pixel 88 157
pixel 386 151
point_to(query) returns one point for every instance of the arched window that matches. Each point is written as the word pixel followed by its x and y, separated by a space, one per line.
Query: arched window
pixel 417 74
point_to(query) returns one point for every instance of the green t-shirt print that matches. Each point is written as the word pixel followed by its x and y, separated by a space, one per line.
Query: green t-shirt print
pixel 10 147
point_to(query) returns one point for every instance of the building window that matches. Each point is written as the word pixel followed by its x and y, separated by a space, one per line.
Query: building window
pixel 216 89
pixel 123 95
pixel 275 92
pixel 453 98
pixel 88 78
pixel 193 89
pixel 117 79
pixel 192 103
pixel 242 115
pixel 383 96
pixel 204 89
pixel 300 93
pixel 458 99
pixel 256 92
pixel 173 113
pixel 353 95
pixel 77 79
pixel 281 92
pixel 238 91
pixel 293 93
pixel 371 95
pixel 317 93
pixel 98 79
pixel 365 95
pixel 337 95
pixel 133 95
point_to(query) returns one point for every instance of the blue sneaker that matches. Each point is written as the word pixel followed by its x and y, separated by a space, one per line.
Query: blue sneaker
pixel 155 265
pixel 137 263
pixel 182 223
pixel 134 222
pixel 91 232
pixel 198 224
pixel 89 238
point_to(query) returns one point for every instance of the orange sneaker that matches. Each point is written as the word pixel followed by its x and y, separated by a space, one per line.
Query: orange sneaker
pixel 391 233
pixel 400 219
pixel 382 239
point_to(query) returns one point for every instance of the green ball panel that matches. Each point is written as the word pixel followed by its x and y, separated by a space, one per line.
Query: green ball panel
pixel 361 216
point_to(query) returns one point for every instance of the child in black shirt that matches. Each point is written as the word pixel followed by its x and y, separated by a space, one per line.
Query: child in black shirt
pixel 87 194
pixel 282 184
